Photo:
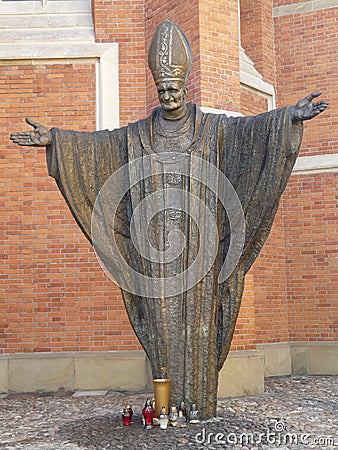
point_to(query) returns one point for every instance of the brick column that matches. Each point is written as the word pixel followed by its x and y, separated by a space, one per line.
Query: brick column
pixel 212 29
pixel 123 22
pixel 219 54
pixel 185 15
pixel 257 36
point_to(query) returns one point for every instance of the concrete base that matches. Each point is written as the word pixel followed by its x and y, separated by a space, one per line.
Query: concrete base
pixel 277 358
pixel 319 359
pixel 243 372
pixel 78 371
pixel 300 358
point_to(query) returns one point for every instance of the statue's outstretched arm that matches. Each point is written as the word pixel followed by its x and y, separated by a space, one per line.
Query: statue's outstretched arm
pixel 38 137
pixel 306 110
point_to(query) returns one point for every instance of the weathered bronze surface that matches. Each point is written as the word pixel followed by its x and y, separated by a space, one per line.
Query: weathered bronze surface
pixel 187 330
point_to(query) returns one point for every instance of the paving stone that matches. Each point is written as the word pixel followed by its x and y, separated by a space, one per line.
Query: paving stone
pixel 90 393
pixel 292 407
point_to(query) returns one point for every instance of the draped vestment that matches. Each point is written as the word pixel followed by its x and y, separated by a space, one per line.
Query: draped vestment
pixel 190 332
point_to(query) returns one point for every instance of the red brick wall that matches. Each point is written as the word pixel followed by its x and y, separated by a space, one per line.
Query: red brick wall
pixel 306 49
pixel 311 230
pixel 245 332
pixel 271 302
pixel 54 296
pixel 306 60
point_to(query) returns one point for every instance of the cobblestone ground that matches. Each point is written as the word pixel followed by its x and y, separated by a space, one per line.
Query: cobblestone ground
pixel 293 413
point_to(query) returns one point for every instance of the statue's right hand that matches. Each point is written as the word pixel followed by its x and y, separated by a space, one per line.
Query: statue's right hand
pixel 38 137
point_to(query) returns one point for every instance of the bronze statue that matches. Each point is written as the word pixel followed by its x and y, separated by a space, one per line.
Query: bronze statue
pixel 185 327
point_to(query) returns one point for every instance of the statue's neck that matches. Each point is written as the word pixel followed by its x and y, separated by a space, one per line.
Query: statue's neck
pixel 174 119
pixel 177 114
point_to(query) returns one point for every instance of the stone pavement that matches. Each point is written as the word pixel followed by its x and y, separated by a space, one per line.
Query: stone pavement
pixel 293 413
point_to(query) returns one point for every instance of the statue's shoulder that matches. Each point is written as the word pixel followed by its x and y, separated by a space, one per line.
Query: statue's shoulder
pixel 214 113
pixel 118 132
pixel 206 117
pixel 143 123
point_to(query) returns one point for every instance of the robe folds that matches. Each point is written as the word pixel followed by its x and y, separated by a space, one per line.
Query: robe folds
pixel 188 332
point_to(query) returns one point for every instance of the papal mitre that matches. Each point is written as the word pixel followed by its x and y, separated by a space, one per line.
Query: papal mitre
pixel 169 54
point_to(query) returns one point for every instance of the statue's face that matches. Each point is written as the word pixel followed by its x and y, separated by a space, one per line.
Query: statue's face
pixel 171 95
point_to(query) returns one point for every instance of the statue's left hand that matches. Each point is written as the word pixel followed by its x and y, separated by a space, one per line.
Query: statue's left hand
pixel 306 110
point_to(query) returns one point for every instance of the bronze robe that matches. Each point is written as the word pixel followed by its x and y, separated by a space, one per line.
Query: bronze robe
pixel 189 333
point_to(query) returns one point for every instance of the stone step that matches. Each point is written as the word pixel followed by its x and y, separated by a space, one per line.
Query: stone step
pixel 47 34
pixel 52 7
pixel 19 21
